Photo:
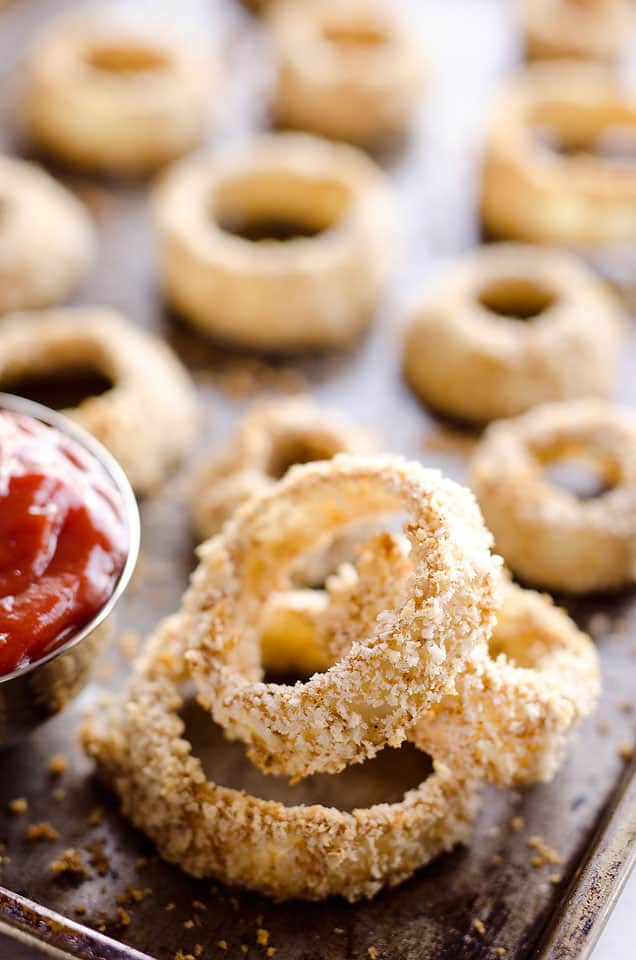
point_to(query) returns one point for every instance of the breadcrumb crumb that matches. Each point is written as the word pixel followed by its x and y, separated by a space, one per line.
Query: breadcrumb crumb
pixel 479 926
pixel 58 764
pixel 42 831
pixel 18 806
pixel 70 862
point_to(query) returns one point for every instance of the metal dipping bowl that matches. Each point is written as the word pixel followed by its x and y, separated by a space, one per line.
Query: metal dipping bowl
pixel 31 695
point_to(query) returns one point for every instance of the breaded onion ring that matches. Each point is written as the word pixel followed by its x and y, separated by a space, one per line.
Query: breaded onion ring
pixel 349 71
pixel 515 708
pixel 47 240
pixel 269 439
pixel 469 353
pixel 217 219
pixel 147 419
pixel 303 851
pixel 530 191
pixel 406 663
pixel 578 29
pixel 114 98
pixel 547 535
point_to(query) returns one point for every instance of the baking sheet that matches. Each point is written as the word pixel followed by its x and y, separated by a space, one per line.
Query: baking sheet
pixel 525 911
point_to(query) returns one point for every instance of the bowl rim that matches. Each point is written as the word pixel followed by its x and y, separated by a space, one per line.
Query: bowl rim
pixel 16 404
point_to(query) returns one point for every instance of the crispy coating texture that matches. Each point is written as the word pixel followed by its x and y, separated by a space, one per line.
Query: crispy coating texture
pixel 147 419
pixel 318 289
pixel 47 240
pixel 543 178
pixel 269 438
pixel 467 360
pixel 110 97
pixel 371 696
pixel 548 535
pixel 563 29
pixel 309 852
pixel 516 707
pixel 348 71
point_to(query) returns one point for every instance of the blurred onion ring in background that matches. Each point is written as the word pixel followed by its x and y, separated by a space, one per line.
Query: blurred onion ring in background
pixel 509 327
pixel 560 156
pixel 47 241
pixel 371 696
pixel 350 71
pixel 281 242
pixel 148 417
pixel 580 29
pixel 115 98
pixel 546 534
pixel 310 852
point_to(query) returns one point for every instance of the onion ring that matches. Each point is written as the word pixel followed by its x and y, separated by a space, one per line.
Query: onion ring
pixel 47 241
pixel 347 71
pixel 149 416
pixel 556 29
pixel 270 438
pixel 109 97
pixel 370 697
pixel 284 851
pixel 532 192
pixel 547 535
pixel 223 268
pixel 469 355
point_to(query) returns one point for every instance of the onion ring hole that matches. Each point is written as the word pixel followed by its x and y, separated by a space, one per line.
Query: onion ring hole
pixel 126 59
pixel 60 389
pixel 584 476
pixel 516 298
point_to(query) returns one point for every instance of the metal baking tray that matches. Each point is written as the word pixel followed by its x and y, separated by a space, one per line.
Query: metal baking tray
pixel 588 813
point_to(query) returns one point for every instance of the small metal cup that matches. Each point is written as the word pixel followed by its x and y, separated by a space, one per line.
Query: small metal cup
pixel 33 694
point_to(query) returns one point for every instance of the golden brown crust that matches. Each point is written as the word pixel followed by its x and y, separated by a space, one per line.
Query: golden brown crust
pixel 470 362
pixel 348 71
pixel 47 241
pixel 306 292
pixel 112 97
pixel 580 29
pixel 147 419
pixel 309 852
pixel 532 192
pixel 547 535
pixel 370 696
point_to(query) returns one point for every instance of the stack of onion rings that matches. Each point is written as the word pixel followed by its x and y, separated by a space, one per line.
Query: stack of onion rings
pixel 403 636
pixel 556 29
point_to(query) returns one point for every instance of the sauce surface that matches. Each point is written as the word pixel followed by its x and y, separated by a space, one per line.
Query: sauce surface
pixel 63 539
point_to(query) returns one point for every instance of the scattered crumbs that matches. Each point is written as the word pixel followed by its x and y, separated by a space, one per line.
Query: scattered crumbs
pixel 101 923
pixel 69 863
pixel 42 831
pixel 180 955
pixel 95 816
pixel 243 948
pixel 555 878
pixel 58 794
pixel 262 937
pixel 222 944
pixel 544 853
pixel 123 916
pixel 79 910
pixel 500 951
pixel 198 949
pixel 373 953
pixel 199 905
pixel 188 924
pixel 18 806
pixel 625 751
pixel 603 727
pixel 129 643
pixel 98 858
pixel 517 823
pixel 338 929
pixel 133 895
pixel 270 951
pixel 58 764
pixel 479 926
pixel 599 624
pixel 169 907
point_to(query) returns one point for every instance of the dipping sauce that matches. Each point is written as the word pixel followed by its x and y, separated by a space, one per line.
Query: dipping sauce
pixel 63 539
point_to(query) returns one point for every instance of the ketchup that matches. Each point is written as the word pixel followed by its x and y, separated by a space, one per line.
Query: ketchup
pixel 63 539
